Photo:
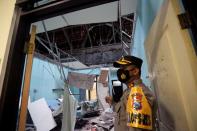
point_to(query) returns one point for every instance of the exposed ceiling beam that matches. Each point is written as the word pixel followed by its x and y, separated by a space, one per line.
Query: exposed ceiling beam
pixel 67 39
pixel 49 50
pixel 90 39
pixel 84 41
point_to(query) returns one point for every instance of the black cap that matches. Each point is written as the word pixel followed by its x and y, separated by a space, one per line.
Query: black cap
pixel 128 60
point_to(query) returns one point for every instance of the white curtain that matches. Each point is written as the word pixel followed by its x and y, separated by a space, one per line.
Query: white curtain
pixel 69 112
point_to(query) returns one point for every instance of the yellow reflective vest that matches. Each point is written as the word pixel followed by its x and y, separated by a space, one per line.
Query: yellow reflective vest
pixel 138 109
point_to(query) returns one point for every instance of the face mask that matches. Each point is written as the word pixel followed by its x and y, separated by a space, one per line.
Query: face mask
pixel 123 75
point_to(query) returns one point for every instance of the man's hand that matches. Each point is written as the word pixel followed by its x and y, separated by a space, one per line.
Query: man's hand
pixel 109 99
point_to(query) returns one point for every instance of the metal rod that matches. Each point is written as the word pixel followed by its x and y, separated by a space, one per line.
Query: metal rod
pixel 84 41
pixel 68 40
pixel 125 51
pixel 53 54
pixel 53 37
pixel 133 31
pixel 58 54
pixel 126 18
pixel 89 35
pixel 61 67
pixel 126 34
pixel 125 44
pixel 45 29
pixel 58 59
pixel 113 32
pixel 120 23
pixel 49 50
pixel 113 37
pixel 50 44
pixel 61 51
pixel 66 35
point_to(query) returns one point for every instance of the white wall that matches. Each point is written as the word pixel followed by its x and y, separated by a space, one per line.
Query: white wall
pixel 6 27
pixel 172 62
pixel 146 11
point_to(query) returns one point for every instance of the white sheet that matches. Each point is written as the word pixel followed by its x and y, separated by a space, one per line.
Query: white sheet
pixel 41 115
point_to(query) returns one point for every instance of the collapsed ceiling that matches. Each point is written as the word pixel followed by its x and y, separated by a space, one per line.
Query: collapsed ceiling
pixel 92 43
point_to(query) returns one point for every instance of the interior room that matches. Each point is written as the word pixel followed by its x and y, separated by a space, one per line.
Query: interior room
pixel 57 63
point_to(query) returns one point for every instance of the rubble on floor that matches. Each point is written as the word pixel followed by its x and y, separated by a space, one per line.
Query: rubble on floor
pixel 89 117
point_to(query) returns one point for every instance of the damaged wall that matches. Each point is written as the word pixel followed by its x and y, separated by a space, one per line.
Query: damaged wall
pixel 172 61
pixel 146 11
pixel 45 77
pixel 46 80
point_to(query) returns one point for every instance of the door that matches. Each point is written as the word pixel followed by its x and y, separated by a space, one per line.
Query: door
pixel 172 64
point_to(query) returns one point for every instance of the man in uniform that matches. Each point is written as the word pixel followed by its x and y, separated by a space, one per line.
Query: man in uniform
pixel 129 73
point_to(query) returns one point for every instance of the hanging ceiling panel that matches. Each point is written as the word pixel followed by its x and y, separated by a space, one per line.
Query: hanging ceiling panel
pixel 91 35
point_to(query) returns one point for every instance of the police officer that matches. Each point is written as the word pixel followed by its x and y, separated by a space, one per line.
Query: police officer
pixel 130 108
